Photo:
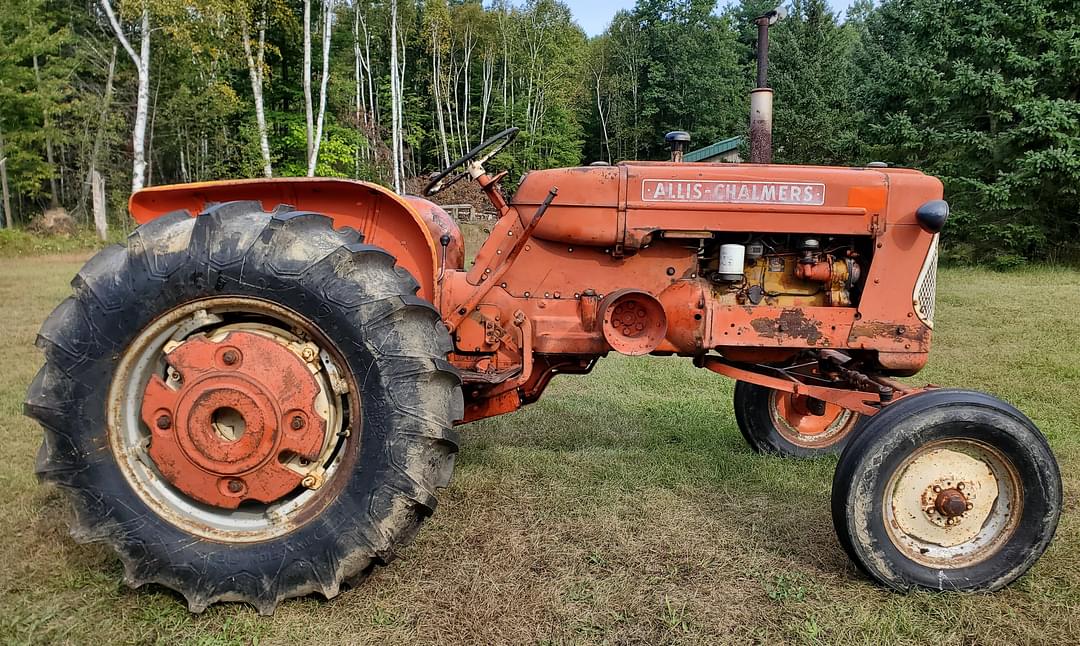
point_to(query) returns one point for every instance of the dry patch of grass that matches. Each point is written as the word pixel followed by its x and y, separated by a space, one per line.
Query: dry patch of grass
pixel 623 508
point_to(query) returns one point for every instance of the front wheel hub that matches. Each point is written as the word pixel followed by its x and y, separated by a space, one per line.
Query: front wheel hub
pixel 233 418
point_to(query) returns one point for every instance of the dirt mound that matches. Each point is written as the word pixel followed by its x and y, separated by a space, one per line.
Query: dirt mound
pixel 56 222
pixel 464 192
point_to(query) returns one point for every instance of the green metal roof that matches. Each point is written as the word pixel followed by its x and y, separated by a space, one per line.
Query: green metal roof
pixel 713 150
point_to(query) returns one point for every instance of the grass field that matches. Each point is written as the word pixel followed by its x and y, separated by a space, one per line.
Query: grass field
pixel 623 508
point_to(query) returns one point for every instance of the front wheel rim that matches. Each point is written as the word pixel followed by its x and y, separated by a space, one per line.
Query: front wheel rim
pixel 952 504
pixel 130 436
pixel 792 420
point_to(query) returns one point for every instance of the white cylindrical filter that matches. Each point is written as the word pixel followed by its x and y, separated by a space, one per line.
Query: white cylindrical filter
pixel 732 258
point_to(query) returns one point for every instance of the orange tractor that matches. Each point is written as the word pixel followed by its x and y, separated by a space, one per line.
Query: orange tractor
pixel 254 397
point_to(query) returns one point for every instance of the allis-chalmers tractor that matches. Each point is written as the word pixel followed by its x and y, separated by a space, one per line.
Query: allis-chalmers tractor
pixel 254 397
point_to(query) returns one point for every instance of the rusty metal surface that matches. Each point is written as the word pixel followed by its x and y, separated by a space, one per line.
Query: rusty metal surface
pixel 796 422
pixel 633 321
pixel 241 409
pixel 637 226
pixel 386 219
pixel 953 503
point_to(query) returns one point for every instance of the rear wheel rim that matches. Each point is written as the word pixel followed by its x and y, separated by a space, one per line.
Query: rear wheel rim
pixel 216 318
pixel 953 503
pixel 797 425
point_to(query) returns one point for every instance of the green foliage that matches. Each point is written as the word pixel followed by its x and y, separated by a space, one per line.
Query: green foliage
pixel 984 94
pixel 27 34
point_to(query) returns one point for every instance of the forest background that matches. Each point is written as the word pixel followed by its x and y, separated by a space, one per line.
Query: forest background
pixel 984 94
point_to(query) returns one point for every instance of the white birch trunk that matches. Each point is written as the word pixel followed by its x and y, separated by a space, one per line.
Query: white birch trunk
pixel 436 75
pixel 489 80
pixel 9 217
pixel 255 72
pixel 395 92
pixel 358 73
pixel 310 122
pixel 603 121
pixel 101 221
pixel 142 102
pixel 314 159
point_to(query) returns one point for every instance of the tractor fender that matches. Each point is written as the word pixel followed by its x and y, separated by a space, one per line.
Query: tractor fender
pixel 409 228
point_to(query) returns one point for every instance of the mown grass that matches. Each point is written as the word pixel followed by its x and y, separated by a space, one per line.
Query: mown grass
pixel 622 508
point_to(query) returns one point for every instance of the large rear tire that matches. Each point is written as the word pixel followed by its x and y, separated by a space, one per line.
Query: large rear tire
pixel 285 276
pixel 946 490
pixel 780 423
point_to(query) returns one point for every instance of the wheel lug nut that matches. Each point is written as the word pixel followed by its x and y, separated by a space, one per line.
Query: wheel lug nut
pixel 164 422
pixel 969 506
pixel 236 486
pixel 937 489
pixel 297 423
pixel 230 357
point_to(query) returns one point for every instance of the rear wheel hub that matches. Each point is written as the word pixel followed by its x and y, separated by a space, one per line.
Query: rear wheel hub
pixel 233 419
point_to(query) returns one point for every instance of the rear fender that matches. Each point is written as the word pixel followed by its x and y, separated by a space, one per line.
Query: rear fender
pixel 409 228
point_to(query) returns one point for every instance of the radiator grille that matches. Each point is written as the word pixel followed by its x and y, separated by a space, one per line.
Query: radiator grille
pixel 926 287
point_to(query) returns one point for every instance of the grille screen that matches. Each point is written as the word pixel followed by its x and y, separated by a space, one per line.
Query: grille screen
pixel 926 288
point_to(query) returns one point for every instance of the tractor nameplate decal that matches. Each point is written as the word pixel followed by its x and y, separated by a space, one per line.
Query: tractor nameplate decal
pixel 662 190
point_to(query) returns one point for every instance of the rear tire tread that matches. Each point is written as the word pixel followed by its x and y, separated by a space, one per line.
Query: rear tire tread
pixel 225 242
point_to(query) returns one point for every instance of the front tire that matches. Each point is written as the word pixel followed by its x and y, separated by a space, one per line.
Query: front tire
pixel 779 423
pixel 947 490
pixel 379 354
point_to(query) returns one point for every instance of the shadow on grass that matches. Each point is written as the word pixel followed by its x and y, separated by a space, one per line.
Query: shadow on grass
pixel 659 425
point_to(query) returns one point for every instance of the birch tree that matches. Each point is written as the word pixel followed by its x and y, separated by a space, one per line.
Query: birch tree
pixel 306 80
pixel 327 30
pixel 256 66
pixel 395 100
pixel 5 191
pixel 142 101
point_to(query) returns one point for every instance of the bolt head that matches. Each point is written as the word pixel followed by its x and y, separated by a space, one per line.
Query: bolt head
pixel 235 486
pixel 230 357
pixel 297 423
pixel 164 422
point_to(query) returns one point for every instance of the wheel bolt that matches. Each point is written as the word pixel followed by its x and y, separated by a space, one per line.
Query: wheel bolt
pixel 970 506
pixel 164 422
pixel 230 357
pixel 297 423
pixel 937 488
pixel 236 486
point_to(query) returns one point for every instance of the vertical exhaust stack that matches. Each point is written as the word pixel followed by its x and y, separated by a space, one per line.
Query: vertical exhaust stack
pixel 679 141
pixel 761 96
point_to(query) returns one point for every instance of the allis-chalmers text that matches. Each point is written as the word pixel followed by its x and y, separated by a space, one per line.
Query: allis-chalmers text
pixel 658 190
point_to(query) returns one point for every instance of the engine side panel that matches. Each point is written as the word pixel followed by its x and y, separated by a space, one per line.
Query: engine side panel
pixel 656 229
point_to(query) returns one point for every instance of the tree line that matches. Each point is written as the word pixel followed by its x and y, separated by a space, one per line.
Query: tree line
pixel 983 93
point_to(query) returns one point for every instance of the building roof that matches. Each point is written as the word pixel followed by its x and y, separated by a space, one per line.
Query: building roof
pixel 713 150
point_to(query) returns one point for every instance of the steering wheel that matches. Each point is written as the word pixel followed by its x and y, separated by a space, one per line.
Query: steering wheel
pixel 443 180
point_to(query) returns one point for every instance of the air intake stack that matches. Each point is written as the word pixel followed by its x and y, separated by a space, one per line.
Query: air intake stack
pixel 761 96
